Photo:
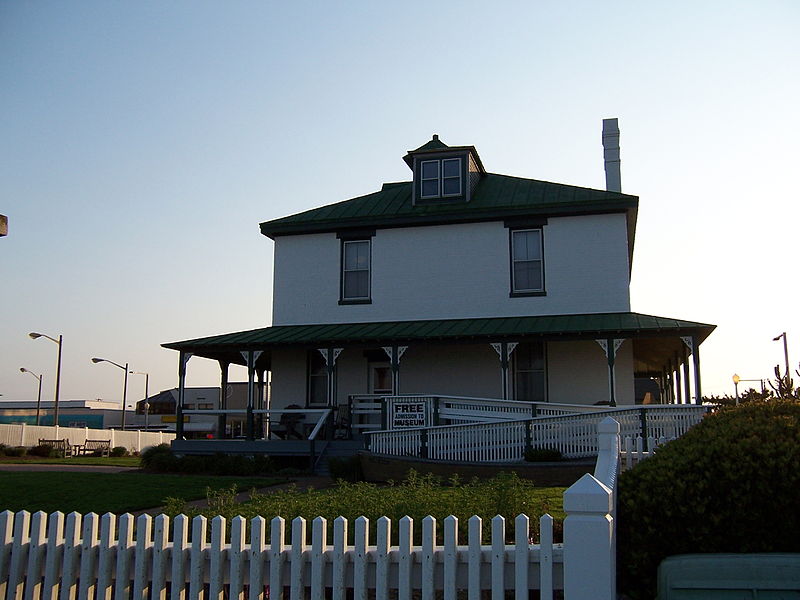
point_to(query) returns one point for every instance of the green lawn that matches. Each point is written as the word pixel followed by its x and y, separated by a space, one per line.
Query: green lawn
pixel 109 492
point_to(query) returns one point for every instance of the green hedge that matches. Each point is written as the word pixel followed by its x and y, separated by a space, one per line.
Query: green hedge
pixel 728 485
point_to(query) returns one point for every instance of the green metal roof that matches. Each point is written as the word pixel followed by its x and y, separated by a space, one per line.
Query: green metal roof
pixel 602 325
pixel 495 197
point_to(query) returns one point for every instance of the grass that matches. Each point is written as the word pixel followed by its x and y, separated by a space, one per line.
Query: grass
pixel 109 492
pixel 122 461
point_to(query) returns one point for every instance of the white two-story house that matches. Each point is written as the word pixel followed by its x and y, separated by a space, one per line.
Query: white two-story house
pixel 460 282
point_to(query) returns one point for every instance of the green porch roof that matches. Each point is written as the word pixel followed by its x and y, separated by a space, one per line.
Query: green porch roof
pixel 495 197
pixel 552 327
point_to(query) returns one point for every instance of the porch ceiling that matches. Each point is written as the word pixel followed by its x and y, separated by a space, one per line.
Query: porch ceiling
pixel 656 339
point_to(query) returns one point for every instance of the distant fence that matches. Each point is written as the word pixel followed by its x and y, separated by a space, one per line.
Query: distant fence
pixel 29 435
pixel 92 557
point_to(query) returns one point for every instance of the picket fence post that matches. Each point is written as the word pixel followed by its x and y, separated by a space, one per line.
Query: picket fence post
pixel 589 541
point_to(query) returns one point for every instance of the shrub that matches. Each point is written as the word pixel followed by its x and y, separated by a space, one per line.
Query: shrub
pixel 727 485
pixel 16 451
pixel 543 455
pixel 346 468
pixel 418 496
pixel 43 450
pixel 160 459
pixel 3 448
pixel 119 451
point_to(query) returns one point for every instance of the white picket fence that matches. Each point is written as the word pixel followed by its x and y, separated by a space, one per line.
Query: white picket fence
pixel 97 558
pixel 574 435
pixel 29 436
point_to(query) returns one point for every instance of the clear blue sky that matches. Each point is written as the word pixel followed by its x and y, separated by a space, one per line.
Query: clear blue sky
pixel 141 143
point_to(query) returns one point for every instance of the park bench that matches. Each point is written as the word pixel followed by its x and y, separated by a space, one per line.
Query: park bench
pixel 89 447
pixel 58 445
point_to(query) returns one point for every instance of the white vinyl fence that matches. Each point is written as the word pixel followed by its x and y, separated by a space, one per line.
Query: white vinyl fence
pixel 29 435
pixel 574 435
pixel 96 558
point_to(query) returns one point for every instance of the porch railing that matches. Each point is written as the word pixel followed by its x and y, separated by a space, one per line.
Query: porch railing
pixel 373 412
pixel 574 435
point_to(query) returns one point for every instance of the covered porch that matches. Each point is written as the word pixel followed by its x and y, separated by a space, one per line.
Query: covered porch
pixel 315 371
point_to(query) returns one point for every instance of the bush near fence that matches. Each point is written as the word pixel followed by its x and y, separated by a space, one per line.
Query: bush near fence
pixel 728 485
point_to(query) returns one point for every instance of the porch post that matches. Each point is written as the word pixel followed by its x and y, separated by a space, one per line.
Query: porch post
pixel 251 357
pixel 678 392
pixel 260 388
pixel 694 348
pixel 183 358
pixel 330 355
pixel 395 353
pixel 222 421
pixel 696 359
pixel 610 347
pixel 687 394
pixel 504 350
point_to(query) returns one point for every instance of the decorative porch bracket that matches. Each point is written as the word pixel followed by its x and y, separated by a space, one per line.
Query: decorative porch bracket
pixel 395 353
pixel 504 351
pixel 610 347
pixel 330 355
pixel 251 356
pixel 694 348
pixel 183 358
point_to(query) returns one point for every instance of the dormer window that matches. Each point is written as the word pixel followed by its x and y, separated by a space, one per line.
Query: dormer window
pixel 444 173
pixel 440 178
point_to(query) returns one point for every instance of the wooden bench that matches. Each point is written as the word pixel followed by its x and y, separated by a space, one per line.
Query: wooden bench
pixel 89 447
pixel 58 445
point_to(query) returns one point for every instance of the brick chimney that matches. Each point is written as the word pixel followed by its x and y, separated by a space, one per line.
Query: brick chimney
pixel 611 155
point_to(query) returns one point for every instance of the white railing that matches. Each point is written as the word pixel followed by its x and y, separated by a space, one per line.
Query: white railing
pixel 506 441
pixel 372 412
pixel 29 436
pixel 91 557
pixel 633 450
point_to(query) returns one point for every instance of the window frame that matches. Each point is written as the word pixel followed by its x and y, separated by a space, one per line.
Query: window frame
pixel 523 292
pixel 440 178
pixel 343 299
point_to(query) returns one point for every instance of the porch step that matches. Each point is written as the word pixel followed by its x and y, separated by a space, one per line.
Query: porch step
pixel 337 449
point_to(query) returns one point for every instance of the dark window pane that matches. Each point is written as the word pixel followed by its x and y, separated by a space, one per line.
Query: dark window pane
pixel 451 167
pixel 527 275
pixel 451 187
pixel 356 284
pixel 430 169
pixel 430 188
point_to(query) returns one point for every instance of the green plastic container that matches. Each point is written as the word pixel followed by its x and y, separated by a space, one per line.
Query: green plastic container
pixel 730 577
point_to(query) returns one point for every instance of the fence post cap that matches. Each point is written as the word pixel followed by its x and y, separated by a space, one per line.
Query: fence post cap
pixel 608 425
pixel 588 495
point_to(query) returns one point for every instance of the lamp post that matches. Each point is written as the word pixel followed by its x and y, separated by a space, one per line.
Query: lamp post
pixel 736 381
pixel 39 395
pixel 33 335
pixel 125 385
pixel 146 395
pixel 785 350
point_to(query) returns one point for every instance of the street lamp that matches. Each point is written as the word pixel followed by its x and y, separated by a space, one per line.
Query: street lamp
pixel 33 335
pixel 125 385
pixel 736 380
pixel 39 395
pixel 146 395
pixel 785 350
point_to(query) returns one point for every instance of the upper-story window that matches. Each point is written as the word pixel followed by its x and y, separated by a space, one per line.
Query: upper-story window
pixel 356 271
pixel 440 178
pixel 527 265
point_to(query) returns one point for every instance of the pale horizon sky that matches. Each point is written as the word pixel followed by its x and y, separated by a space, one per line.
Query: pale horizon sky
pixel 142 143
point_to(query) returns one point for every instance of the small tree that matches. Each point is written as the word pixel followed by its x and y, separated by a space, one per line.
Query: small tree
pixel 783 385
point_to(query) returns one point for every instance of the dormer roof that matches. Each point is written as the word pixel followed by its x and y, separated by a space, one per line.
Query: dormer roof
pixel 434 146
